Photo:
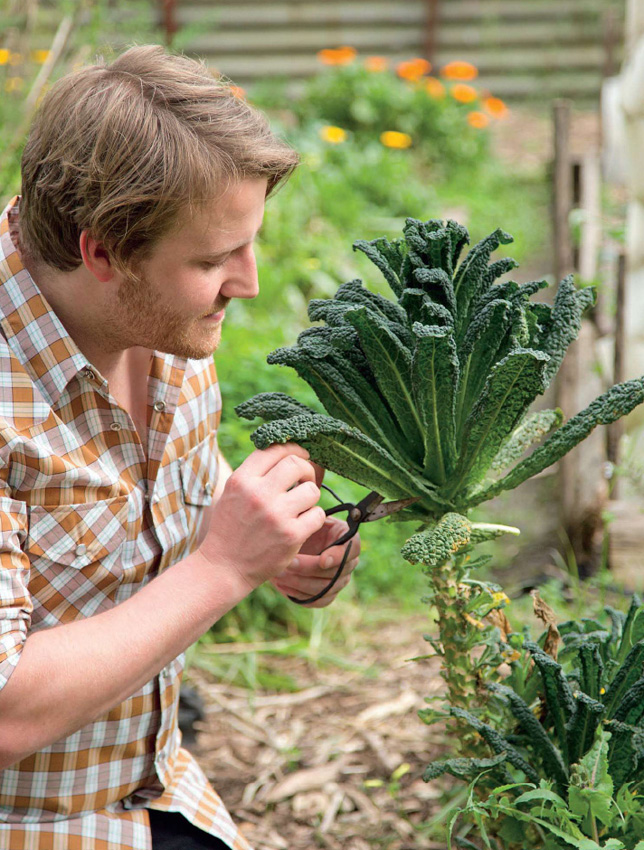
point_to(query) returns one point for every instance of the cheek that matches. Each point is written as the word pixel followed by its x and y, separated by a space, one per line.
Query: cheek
pixel 195 292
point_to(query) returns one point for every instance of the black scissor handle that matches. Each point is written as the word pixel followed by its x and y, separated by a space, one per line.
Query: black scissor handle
pixel 355 515
pixel 326 589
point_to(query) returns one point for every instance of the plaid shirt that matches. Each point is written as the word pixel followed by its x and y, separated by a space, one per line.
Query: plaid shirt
pixel 86 521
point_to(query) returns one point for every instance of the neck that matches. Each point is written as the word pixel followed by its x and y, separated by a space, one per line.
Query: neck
pixel 87 320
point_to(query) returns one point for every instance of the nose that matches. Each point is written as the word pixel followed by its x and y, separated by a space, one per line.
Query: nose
pixel 241 280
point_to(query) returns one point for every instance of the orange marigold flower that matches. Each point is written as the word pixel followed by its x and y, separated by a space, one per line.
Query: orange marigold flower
pixel 434 88
pixel 394 139
pixel 339 56
pixel 459 71
pixel 376 63
pixel 479 120
pixel 333 135
pixel 413 69
pixel 464 93
pixel 4 56
pixel 238 91
pixel 495 107
pixel 40 56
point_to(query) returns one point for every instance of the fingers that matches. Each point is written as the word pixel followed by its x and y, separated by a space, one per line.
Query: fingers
pixel 288 471
pixel 319 472
pixel 304 587
pixel 261 461
pixel 300 498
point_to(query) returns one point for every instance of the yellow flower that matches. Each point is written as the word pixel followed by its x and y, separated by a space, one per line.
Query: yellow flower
pixel 464 93
pixel 602 691
pixel 333 135
pixel 434 88
pixel 40 56
pixel 459 71
pixel 394 139
pixel 510 655
pixel 478 120
pixel 340 56
pixel 4 56
pixel 13 84
pixel 413 69
pixel 495 107
pixel 312 263
pixel 376 63
pixel 500 597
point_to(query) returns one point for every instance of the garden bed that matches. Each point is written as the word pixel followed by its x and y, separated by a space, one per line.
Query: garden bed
pixel 337 764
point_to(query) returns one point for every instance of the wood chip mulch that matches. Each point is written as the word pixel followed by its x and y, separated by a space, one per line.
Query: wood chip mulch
pixel 313 768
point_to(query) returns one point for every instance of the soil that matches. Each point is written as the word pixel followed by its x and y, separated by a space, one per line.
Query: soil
pixel 338 763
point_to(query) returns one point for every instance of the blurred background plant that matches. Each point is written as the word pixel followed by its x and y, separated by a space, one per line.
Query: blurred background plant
pixel 400 106
pixel 40 40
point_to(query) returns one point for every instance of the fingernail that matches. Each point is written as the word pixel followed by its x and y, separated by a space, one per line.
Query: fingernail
pixel 295 563
pixel 328 561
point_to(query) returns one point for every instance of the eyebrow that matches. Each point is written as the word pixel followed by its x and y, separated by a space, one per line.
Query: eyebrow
pixel 217 255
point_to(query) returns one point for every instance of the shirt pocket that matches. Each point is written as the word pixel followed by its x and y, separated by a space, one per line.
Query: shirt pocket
pixel 199 470
pixel 77 535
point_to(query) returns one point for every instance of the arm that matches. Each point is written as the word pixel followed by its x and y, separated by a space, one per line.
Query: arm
pixel 69 675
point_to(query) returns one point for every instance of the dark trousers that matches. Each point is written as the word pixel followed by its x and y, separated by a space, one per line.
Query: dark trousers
pixel 171 831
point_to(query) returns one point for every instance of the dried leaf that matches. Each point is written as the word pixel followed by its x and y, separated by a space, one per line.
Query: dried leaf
pixel 549 619
pixel 404 703
pixel 310 779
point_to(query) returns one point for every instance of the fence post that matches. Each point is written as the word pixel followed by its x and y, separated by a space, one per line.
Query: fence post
pixel 431 29
pixel 583 488
pixel 169 8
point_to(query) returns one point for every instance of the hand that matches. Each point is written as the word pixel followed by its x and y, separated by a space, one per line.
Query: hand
pixel 266 512
pixel 312 572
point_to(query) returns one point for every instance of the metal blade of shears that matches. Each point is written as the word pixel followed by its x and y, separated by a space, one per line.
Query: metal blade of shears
pixel 380 511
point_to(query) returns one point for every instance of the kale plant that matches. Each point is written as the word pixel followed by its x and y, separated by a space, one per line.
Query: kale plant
pixel 565 734
pixel 427 395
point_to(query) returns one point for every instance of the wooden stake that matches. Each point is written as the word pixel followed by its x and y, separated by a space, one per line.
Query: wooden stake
pixel 562 194
pixel 616 430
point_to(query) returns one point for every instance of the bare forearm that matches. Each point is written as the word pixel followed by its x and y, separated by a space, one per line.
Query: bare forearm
pixel 69 675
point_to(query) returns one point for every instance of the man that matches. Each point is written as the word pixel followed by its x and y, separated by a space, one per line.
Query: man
pixel 124 535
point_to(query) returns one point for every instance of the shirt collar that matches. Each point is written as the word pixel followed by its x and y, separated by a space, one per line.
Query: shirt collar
pixel 34 332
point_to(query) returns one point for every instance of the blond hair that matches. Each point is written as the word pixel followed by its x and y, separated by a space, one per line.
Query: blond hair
pixel 122 149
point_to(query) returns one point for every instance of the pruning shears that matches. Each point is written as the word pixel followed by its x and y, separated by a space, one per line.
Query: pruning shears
pixel 368 509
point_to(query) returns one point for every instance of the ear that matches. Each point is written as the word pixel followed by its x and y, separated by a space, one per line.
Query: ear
pixel 96 258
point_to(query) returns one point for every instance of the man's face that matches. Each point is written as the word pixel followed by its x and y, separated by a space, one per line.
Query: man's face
pixel 176 305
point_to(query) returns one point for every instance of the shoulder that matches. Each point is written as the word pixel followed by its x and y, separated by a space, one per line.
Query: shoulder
pixel 22 405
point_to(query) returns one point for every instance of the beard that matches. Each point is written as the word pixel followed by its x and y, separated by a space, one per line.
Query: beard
pixel 139 317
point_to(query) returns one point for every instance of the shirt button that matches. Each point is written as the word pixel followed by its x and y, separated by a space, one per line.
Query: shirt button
pixel 159 406
pixel 81 550
pixel 87 373
pixel 207 490
pixel 116 426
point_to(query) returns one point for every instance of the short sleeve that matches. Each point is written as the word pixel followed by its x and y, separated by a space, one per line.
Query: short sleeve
pixel 15 602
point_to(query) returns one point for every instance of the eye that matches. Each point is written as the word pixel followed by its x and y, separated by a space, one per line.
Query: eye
pixel 208 264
